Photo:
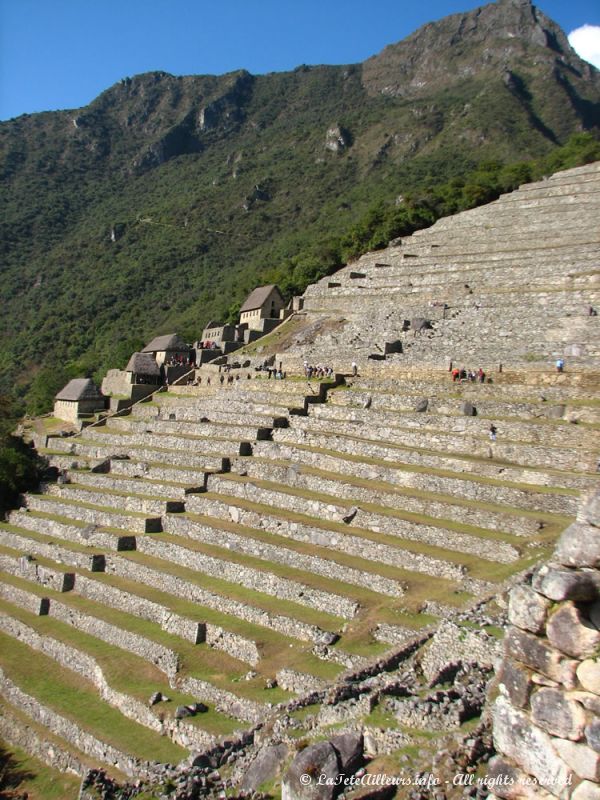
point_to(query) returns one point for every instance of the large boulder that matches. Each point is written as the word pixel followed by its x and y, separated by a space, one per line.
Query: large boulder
pixel 265 767
pixel 312 774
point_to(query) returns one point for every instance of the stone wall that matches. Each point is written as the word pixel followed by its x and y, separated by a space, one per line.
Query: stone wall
pixel 235 645
pixel 188 736
pixel 254 579
pixel 53 551
pixel 258 548
pixel 547 716
pixel 194 593
pixel 351 544
pixel 364 518
pixel 470 489
pixel 17 733
pixel 28 568
pixel 71 732
pixel 80 534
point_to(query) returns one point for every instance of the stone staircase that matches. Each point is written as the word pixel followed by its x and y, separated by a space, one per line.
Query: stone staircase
pixel 246 546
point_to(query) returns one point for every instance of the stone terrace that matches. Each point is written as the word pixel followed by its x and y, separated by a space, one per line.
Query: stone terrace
pixel 242 545
pixel 517 278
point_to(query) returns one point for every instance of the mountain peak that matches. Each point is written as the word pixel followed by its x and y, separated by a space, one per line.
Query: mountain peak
pixel 491 38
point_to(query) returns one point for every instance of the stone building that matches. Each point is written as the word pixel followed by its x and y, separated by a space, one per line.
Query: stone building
pixel 142 368
pixel 219 332
pixel 264 302
pixel 167 347
pixel 78 398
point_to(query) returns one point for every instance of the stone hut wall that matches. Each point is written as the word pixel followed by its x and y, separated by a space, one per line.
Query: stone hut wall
pixel 546 719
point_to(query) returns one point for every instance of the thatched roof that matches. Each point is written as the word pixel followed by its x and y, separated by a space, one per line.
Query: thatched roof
pixel 143 364
pixel 258 296
pixel 79 389
pixel 170 341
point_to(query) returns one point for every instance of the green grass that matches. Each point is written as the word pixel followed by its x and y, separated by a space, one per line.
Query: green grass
pixel 27 774
pixel 76 699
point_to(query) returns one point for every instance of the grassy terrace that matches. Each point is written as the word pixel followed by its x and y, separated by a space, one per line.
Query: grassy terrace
pixel 199 661
pixel 446 473
pixel 332 430
pixel 476 567
pixel 128 672
pixel 401 491
pixel 27 774
pixel 76 699
pixel 397 513
pixel 276 649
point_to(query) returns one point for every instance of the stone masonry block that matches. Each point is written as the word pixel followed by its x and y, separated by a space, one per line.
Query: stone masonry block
pixel 558 715
pixel 579 546
pixel 584 761
pixel 588 673
pixel 529 746
pixel 540 656
pixel 515 682
pixel 571 633
pixel 510 783
pixel 589 511
pixel 592 734
pixel 527 609
pixel 586 791
pixel 560 583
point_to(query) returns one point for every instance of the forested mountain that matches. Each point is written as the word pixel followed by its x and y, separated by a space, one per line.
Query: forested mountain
pixel 163 202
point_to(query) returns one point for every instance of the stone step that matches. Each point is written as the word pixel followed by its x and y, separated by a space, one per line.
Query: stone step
pixel 442 507
pixel 156 471
pixel 208 435
pixel 130 521
pixel 238 403
pixel 411 469
pixel 141 486
pixel 215 636
pixel 211 458
pixel 230 421
pixel 550 432
pixel 83 739
pixel 254 579
pixel 319 432
pixel 353 542
pixel 76 531
pixel 78 661
pixel 115 499
pixel 325 507
pixel 448 397
pixel 160 578
pixel 196 632
pixel 164 658
pixel 184 526
pixel 31 543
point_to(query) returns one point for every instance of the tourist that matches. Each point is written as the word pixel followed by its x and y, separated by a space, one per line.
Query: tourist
pixel 354 368
pixel 493 432
pixel 560 365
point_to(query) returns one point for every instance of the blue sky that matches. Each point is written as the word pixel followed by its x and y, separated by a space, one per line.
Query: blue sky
pixel 57 54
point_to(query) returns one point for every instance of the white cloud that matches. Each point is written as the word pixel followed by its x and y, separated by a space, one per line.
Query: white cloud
pixel 586 43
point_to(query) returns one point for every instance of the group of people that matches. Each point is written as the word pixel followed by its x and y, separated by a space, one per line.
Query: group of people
pixel 317 371
pixel 461 375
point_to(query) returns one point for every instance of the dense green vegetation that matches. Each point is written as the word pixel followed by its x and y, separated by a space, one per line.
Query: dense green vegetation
pixel 166 200
pixel 19 464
